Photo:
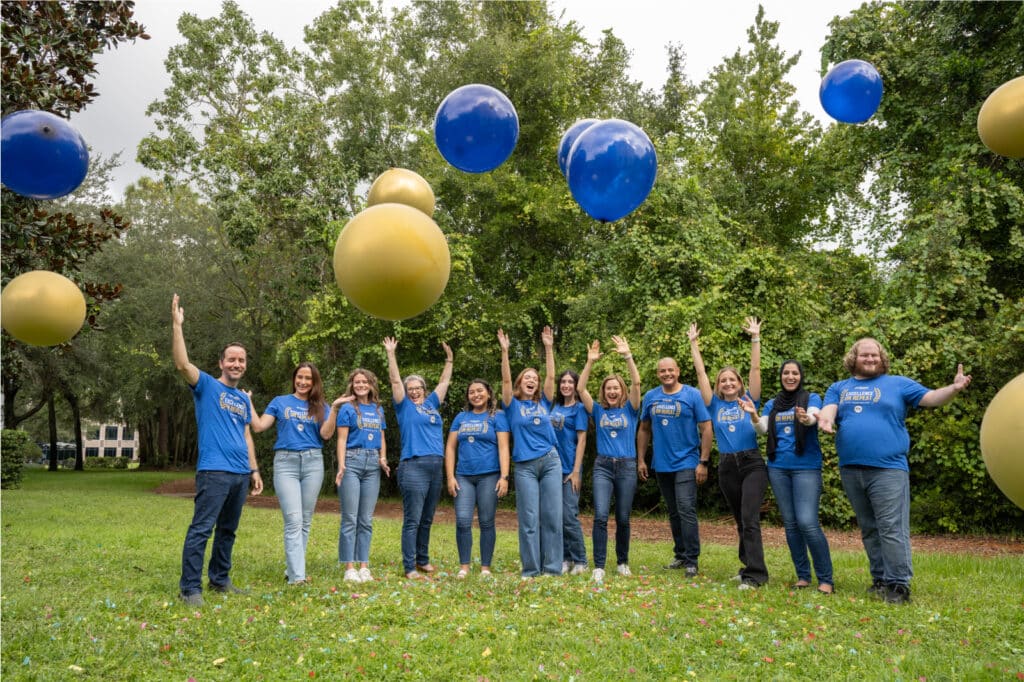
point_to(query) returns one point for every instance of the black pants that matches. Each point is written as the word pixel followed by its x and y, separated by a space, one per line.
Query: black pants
pixel 743 478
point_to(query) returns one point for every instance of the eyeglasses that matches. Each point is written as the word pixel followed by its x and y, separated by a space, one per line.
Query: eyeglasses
pixel 414 388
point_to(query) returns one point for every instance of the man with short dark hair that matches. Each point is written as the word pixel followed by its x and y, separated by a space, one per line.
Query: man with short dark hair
pixel 227 463
pixel 867 412
pixel 675 416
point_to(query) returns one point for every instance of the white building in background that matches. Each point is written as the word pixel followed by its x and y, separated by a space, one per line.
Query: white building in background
pixel 111 440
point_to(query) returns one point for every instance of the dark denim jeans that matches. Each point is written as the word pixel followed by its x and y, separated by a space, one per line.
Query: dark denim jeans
pixel 798 493
pixel 679 488
pixel 220 496
pixel 613 475
pixel 574 550
pixel 476 492
pixel 539 509
pixel 743 478
pixel 419 479
pixel 881 500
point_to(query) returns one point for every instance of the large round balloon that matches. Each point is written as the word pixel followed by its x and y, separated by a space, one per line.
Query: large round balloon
pixel 1001 119
pixel 569 138
pixel 1002 440
pixel 42 308
pixel 611 169
pixel 851 91
pixel 476 128
pixel 401 186
pixel 392 261
pixel 43 156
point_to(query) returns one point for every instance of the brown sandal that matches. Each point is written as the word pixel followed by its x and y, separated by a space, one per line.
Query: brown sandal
pixel 825 588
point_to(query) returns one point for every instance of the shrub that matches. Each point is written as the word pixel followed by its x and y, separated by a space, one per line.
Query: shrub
pixel 15 447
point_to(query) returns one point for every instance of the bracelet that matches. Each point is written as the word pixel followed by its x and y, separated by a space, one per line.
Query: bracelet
pixel 704 462
pixel 755 339
pixel 628 357
pixel 253 471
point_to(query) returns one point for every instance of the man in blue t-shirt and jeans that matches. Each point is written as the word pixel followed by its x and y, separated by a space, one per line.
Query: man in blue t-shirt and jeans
pixel 227 463
pixel 867 414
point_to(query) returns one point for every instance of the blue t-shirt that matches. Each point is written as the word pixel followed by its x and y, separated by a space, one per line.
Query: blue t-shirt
pixel 616 430
pixel 674 418
pixel 871 425
pixel 221 415
pixel 478 441
pixel 420 427
pixel 296 428
pixel 365 424
pixel 532 433
pixel 733 430
pixel 567 422
pixel 785 439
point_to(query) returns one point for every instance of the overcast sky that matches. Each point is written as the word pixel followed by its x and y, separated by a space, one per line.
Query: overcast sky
pixel 133 76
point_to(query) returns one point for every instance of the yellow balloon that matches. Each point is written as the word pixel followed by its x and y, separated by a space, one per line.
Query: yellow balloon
pixel 1002 440
pixel 392 261
pixel 42 308
pixel 401 186
pixel 1001 119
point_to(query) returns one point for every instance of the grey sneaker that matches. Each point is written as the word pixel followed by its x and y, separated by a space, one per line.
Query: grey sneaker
pixel 676 564
pixel 691 571
pixel 896 594
pixel 228 588
pixel 192 598
pixel 877 588
pixel 597 575
pixel 578 569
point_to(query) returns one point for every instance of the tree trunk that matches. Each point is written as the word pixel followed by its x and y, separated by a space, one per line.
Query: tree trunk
pixel 51 409
pixel 162 436
pixel 76 414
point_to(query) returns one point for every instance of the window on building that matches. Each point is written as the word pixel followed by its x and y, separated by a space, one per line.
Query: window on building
pixel 128 452
pixel 111 433
pixel 92 452
pixel 110 452
pixel 128 434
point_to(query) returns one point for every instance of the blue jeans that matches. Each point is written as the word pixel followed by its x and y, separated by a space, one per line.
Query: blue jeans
pixel 613 475
pixel 881 501
pixel 220 496
pixel 298 475
pixel 358 496
pixel 479 492
pixel 744 479
pixel 573 549
pixel 798 493
pixel 419 479
pixel 538 491
pixel 679 488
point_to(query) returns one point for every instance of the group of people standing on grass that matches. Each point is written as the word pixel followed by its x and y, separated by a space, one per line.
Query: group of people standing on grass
pixel 541 425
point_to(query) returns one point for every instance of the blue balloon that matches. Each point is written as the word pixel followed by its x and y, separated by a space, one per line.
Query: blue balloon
pixel 611 169
pixel 851 91
pixel 476 128
pixel 43 156
pixel 570 136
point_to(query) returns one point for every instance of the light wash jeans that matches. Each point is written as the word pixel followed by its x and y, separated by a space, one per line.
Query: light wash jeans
pixel 476 492
pixel 798 492
pixel 613 475
pixel 358 497
pixel 419 479
pixel 538 506
pixel 881 500
pixel 220 496
pixel 298 475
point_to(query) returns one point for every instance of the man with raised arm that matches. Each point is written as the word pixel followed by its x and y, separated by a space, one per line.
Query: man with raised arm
pixel 227 464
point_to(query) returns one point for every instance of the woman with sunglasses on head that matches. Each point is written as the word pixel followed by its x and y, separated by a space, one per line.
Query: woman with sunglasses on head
pixel 421 468
pixel 478 440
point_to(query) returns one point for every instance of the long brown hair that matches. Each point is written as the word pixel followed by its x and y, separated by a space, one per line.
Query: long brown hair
pixel 371 378
pixel 492 403
pixel 315 408
pixel 517 389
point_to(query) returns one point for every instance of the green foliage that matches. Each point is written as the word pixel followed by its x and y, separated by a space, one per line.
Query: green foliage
pixel 106 462
pixel 16 447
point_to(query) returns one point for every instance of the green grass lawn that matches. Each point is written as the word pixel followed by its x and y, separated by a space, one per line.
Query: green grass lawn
pixel 91 563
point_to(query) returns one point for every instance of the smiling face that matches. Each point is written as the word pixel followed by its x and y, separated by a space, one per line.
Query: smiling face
pixel 478 397
pixel 303 382
pixel 232 365
pixel 361 387
pixel 567 387
pixel 728 385
pixel 868 361
pixel 527 385
pixel 416 390
pixel 613 392
pixel 668 374
pixel 791 376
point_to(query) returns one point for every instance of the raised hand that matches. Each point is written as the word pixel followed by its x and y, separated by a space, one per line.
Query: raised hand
pixel 961 380
pixel 503 340
pixel 594 351
pixel 621 345
pixel 752 326
pixel 547 337
pixel 694 333
pixel 390 344
pixel 447 351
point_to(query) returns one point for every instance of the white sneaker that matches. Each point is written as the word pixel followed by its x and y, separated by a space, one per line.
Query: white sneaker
pixel 597 575
pixel 624 571
pixel 578 569
pixel 565 567
pixel 365 575
pixel 352 576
